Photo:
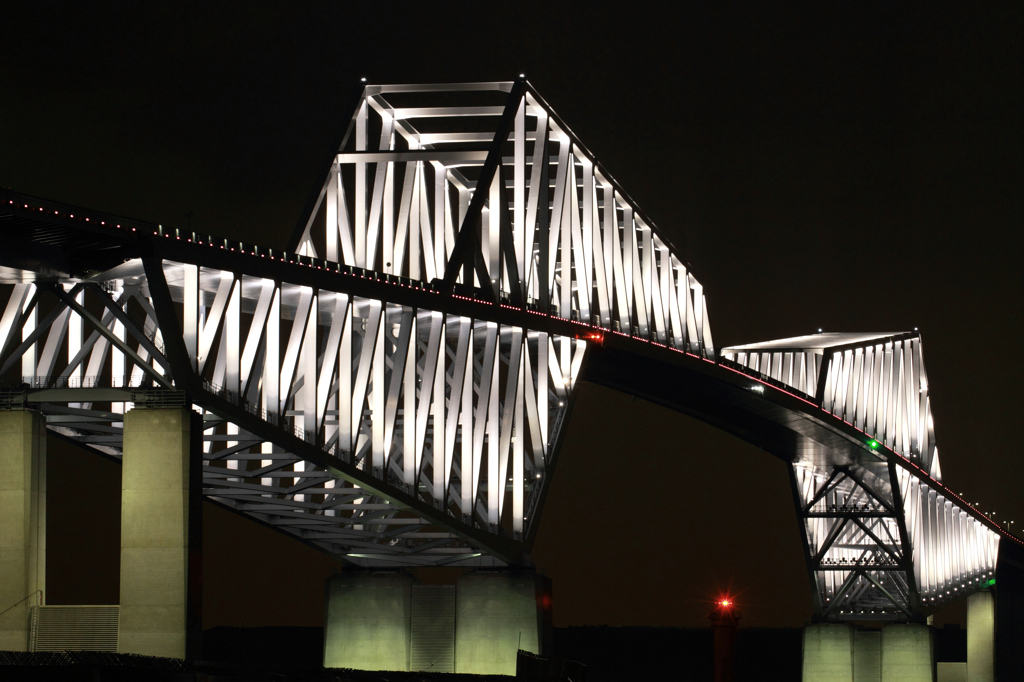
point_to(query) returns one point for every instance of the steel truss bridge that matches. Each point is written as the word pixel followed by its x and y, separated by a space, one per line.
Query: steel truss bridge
pixel 392 388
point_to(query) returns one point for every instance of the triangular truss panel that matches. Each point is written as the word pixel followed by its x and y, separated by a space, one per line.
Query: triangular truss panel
pixel 856 550
pixel 459 414
pixel 876 383
pixel 888 551
pixel 550 229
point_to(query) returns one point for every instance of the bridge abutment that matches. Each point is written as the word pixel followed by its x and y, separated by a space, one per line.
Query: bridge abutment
pixel 161 534
pixel 22 523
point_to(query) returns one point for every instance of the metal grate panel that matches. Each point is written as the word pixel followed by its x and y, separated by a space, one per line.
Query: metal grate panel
pixel 74 628
pixel 433 629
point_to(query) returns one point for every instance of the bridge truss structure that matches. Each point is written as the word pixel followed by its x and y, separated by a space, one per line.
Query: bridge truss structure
pixel 392 387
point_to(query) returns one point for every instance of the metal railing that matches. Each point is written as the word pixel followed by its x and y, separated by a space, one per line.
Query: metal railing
pixel 142 391
pixel 765 378
pixel 93 381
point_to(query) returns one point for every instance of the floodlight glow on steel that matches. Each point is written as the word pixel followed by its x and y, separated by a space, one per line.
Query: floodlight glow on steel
pixel 427 379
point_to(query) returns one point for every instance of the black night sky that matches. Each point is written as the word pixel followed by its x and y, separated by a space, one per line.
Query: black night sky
pixel 849 167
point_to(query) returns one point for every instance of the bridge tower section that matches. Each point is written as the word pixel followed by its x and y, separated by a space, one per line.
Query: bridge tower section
pixel 22 523
pixel 161 533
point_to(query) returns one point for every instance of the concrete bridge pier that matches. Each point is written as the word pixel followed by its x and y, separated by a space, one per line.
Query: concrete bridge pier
pixel 981 637
pixel 367 620
pixel 22 523
pixel 828 653
pixel 908 653
pixel 839 652
pixel 161 533
pixel 381 620
pixel 496 614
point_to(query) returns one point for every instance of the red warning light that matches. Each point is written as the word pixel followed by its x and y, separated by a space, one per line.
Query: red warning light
pixel 725 602
pixel 593 337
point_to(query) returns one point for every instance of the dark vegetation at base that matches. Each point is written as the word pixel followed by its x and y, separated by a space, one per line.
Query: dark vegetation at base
pixel 638 653
pixel 90 666
pixel 610 654
pixel 679 654
pixel 293 654
pixel 950 644
pixel 268 648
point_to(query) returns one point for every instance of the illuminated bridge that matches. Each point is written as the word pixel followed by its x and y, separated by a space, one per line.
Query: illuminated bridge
pixel 392 388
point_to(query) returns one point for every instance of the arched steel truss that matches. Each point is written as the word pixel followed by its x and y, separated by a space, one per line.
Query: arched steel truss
pixel 393 387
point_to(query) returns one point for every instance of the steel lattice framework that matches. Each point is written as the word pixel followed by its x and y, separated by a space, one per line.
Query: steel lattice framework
pixel 393 386
pixel 876 534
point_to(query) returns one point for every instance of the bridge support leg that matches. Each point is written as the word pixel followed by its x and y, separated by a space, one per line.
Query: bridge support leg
pixel 161 534
pixel 22 523
pixel 496 614
pixel 908 653
pixel 367 620
pixel 981 637
pixel 828 653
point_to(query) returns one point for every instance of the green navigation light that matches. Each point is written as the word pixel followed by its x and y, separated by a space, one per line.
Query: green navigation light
pixel 873 444
pixel 989 583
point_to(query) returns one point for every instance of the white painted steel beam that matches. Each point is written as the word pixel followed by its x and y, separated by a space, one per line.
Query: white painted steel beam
pixel 448 420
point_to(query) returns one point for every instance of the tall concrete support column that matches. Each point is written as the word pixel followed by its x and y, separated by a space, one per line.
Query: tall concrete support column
pixel 908 653
pixel 496 614
pixel 161 533
pixel 368 620
pixel 981 637
pixel 828 653
pixel 22 523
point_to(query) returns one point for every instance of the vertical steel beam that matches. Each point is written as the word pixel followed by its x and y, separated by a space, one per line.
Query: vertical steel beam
pixel 465 240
